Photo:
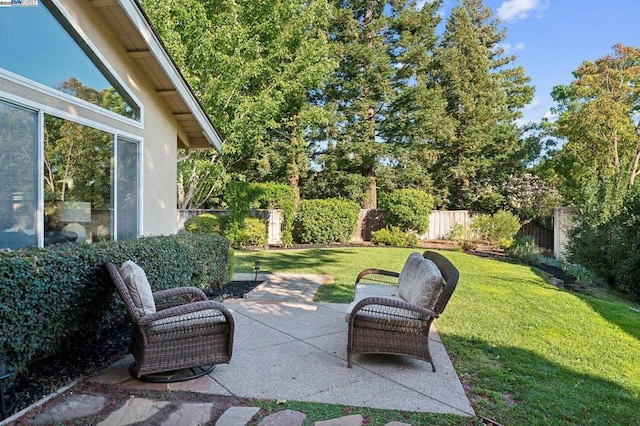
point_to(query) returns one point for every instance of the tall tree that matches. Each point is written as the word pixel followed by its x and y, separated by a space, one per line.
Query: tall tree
pixel 252 64
pixel 484 98
pixel 379 94
pixel 598 117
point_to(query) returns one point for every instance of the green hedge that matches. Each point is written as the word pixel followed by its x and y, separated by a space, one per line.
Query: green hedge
pixel 54 297
pixel 325 221
pixel 408 209
pixel 205 223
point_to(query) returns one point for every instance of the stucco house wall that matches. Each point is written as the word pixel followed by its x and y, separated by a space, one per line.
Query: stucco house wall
pixel 164 110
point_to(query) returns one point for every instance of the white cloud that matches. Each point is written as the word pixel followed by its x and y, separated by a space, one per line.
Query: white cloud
pixel 533 105
pixel 514 10
pixel 510 48
pixel 551 116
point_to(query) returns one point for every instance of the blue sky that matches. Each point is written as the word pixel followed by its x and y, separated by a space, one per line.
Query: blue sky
pixel 551 38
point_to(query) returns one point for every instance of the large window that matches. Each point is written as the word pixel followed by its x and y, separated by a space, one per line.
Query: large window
pixel 19 176
pixel 38 44
pixel 89 181
pixel 78 182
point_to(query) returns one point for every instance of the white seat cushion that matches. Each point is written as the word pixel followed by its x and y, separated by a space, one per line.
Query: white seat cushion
pixel 136 281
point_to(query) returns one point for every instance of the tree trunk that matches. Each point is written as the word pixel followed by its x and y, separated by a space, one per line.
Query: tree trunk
pixel 370 192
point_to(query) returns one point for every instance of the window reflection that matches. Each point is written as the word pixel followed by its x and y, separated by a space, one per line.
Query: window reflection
pixel 58 58
pixel 77 182
pixel 19 189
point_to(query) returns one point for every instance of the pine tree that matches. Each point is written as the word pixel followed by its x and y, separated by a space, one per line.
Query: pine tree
pixel 484 97
pixel 379 95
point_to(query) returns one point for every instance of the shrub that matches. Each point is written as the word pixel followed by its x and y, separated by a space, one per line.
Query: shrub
pixel 252 231
pixel 502 226
pixel 242 197
pixel 206 223
pixel 325 221
pixel 408 209
pixel 393 236
pixel 58 296
pixel 525 250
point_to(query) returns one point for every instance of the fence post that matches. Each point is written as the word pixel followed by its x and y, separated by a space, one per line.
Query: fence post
pixel 563 221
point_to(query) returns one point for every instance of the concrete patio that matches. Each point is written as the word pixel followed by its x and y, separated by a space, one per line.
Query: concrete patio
pixel 288 348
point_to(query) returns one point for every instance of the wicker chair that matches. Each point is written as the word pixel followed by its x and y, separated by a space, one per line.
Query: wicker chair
pixel 384 325
pixel 187 331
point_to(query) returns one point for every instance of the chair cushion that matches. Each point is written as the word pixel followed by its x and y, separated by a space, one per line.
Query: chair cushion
pixel 136 281
pixel 420 281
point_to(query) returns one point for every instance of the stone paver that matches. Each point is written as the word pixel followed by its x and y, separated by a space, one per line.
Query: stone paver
pixel 352 420
pixel 190 414
pixel 235 416
pixel 284 418
pixel 72 407
pixel 133 411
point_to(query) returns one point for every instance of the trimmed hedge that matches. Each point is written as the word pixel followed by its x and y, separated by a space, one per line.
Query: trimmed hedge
pixel 408 209
pixel 325 221
pixel 55 297
pixel 205 223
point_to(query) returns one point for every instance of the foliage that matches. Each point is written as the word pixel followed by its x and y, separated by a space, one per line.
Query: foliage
pixel 205 223
pixel 611 248
pixel 334 184
pixel 242 197
pixel 326 221
pixel 525 250
pixel 408 209
pixel 598 117
pixel 484 98
pixel 201 179
pixel 253 66
pixel 394 236
pixel 383 106
pixel 530 198
pixel 501 225
pixel 278 196
pixel 251 232
pixel 60 295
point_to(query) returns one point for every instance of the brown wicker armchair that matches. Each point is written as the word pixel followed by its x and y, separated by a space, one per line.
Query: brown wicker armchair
pixel 382 322
pixel 187 331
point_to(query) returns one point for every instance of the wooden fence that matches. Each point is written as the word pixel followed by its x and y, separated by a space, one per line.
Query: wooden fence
pixel 441 222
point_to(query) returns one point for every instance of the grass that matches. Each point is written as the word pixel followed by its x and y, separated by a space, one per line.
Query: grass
pixel 527 352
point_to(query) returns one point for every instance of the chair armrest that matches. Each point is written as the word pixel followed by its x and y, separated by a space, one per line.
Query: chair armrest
pixel 378 276
pixel 391 308
pixel 186 309
pixel 177 296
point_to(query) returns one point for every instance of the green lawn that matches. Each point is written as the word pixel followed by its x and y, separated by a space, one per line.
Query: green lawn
pixel 529 352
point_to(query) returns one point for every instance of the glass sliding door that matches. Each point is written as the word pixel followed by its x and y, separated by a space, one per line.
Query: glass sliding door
pixel 127 198
pixel 18 176
pixel 78 182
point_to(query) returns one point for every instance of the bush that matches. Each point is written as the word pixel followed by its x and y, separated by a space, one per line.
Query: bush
pixel 252 231
pixel 242 197
pixel 408 209
pixel 54 297
pixel 525 250
pixel 205 223
pixel 499 228
pixel 325 221
pixel 393 236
